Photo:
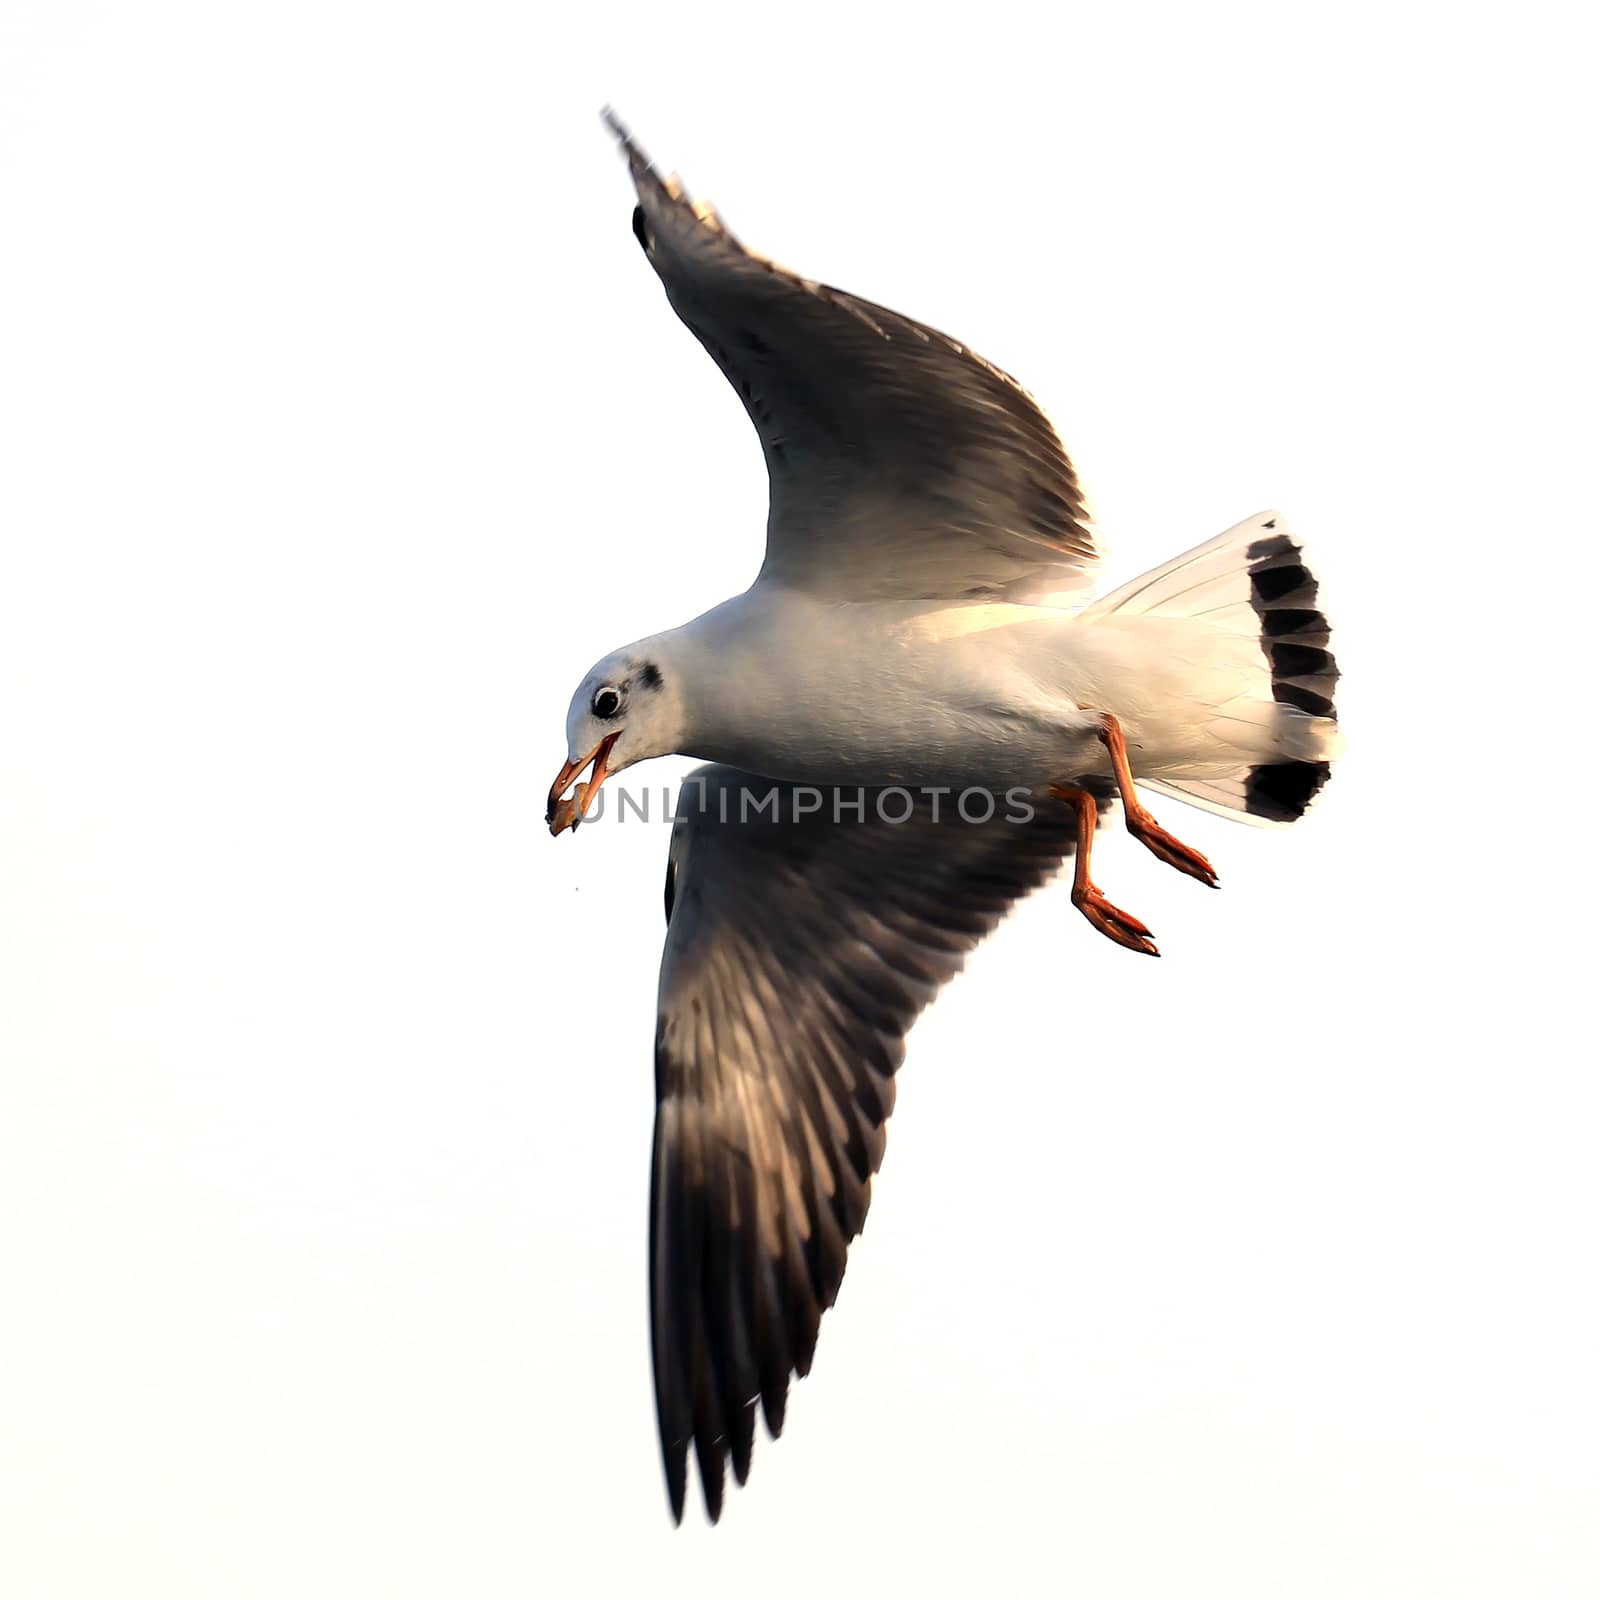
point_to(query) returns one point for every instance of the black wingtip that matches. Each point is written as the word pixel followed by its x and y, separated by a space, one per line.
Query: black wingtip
pixel 637 159
pixel 743 1443
pixel 774 1402
pixel 711 1486
pixel 645 176
pixel 677 1485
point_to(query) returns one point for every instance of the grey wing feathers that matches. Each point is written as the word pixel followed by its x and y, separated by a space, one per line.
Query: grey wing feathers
pixel 798 953
pixel 900 464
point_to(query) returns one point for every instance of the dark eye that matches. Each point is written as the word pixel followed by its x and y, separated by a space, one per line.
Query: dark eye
pixel 606 703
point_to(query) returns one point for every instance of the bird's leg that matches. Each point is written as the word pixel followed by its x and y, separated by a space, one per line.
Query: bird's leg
pixel 1115 924
pixel 1141 824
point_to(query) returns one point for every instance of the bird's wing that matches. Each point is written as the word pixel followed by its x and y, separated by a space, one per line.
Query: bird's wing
pixel 900 464
pixel 798 953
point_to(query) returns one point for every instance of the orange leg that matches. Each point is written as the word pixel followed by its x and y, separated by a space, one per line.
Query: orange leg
pixel 1141 824
pixel 1115 924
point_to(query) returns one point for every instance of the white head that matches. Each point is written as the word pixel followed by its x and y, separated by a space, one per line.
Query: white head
pixel 627 709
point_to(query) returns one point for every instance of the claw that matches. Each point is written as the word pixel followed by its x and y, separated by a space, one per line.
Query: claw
pixel 1119 926
pixel 1174 852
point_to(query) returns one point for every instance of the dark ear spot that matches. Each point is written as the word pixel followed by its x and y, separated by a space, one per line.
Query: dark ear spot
pixel 638 228
pixel 650 675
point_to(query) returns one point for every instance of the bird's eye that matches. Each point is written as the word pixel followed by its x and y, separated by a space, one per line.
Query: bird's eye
pixel 606 703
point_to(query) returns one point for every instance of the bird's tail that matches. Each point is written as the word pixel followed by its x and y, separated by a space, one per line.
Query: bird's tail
pixel 1253 580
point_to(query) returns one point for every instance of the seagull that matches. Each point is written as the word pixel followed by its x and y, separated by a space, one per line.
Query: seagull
pixel 914 716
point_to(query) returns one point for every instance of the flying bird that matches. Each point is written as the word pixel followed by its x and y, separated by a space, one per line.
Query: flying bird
pixel 917 634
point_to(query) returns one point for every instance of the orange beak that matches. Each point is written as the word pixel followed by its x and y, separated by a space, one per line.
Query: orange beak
pixel 567 811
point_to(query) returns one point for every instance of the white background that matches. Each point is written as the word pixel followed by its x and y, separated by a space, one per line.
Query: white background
pixel 342 425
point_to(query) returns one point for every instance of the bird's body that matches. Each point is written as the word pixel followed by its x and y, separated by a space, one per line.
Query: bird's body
pixel 988 694
pixel 917 624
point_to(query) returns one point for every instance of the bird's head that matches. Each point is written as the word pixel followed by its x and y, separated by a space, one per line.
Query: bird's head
pixel 624 711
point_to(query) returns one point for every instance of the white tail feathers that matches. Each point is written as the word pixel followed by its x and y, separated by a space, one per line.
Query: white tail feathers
pixel 1253 580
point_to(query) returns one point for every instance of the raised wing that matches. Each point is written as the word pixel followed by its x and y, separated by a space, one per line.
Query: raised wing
pixel 798 953
pixel 900 464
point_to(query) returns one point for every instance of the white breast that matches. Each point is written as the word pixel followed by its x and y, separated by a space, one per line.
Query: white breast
pixel 878 694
